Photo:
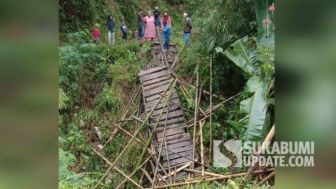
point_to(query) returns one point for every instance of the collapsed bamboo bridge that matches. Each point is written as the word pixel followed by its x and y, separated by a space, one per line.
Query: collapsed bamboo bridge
pixel 172 157
pixel 172 143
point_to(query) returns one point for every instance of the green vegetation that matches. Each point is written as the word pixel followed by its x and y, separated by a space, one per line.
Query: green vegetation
pixel 97 81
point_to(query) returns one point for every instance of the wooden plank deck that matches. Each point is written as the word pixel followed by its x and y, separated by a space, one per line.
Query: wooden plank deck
pixel 171 125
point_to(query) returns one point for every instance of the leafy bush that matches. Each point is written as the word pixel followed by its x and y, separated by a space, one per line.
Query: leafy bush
pixel 106 101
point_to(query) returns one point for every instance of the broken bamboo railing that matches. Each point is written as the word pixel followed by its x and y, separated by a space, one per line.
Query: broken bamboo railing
pixel 133 138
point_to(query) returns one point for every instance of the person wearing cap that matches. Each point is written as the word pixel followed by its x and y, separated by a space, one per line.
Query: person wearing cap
pixel 187 29
pixel 157 16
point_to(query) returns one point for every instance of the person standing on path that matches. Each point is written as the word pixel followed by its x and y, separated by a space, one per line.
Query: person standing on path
pixel 140 26
pixel 123 29
pixel 157 16
pixel 110 30
pixel 166 19
pixel 150 33
pixel 187 29
pixel 166 36
pixel 96 34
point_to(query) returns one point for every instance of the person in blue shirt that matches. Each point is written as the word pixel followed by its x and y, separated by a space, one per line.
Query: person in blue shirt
pixel 110 30
pixel 123 29
pixel 166 36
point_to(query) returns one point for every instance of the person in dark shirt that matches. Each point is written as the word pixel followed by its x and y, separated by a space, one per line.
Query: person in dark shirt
pixel 123 29
pixel 187 30
pixel 140 26
pixel 110 30
pixel 157 16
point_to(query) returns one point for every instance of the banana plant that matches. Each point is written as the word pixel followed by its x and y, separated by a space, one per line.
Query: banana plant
pixel 256 59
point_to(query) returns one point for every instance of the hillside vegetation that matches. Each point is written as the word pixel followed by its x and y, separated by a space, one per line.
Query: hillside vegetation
pixel 96 82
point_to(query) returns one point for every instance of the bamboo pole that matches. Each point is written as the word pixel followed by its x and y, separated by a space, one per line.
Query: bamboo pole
pixel 268 177
pixel 191 121
pixel 178 170
pixel 210 147
pixel 147 175
pixel 205 172
pixel 264 145
pixel 207 179
pixel 114 132
pixel 133 138
pixel 158 120
pixel 134 171
pixel 196 113
pixel 202 147
pixel 161 142
pixel 107 161
pixel 176 153
pixel 129 134
pixel 191 86
pixel 168 161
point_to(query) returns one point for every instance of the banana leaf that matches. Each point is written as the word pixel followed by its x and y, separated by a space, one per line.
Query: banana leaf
pixel 257 114
pixel 242 55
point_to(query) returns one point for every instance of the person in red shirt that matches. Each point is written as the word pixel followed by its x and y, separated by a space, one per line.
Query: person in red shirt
pixel 96 34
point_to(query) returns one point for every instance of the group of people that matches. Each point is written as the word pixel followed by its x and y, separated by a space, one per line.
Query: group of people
pixel 153 24
pixel 149 28
pixel 110 24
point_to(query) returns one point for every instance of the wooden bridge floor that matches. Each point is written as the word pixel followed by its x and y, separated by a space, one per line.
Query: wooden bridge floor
pixel 177 148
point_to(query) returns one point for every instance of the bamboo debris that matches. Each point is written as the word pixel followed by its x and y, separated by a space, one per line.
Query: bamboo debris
pixel 202 147
pixel 133 173
pixel 168 161
pixel 161 142
pixel 161 45
pixel 176 153
pixel 124 114
pixel 196 114
pixel 180 81
pixel 160 177
pixel 210 121
pixel 264 145
pixel 147 176
pixel 223 177
pixel 178 170
pixel 216 107
pixel 158 120
pixel 267 178
pixel 129 134
pixel 114 167
pixel 133 138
